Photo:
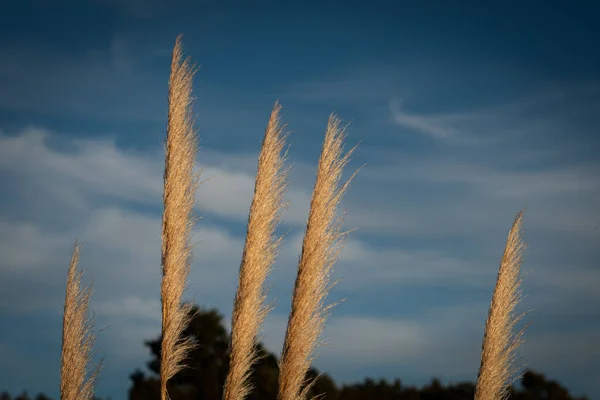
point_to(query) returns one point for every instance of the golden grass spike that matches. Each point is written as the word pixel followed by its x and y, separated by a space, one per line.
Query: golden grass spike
pixel 259 254
pixel 499 341
pixel 180 184
pixel 77 338
pixel 320 249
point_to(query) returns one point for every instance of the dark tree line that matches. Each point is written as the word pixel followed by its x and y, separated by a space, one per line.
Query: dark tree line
pixel 208 366
pixel 25 396
pixel 209 362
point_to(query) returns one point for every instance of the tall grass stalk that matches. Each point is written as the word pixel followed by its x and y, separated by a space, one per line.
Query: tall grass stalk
pixel 259 254
pixel 320 249
pixel 77 338
pixel 499 341
pixel 180 184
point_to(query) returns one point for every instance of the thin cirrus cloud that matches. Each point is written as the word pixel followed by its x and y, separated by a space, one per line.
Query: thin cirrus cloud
pixel 432 126
pixel 103 170
pixel 98 168
pixel 547 112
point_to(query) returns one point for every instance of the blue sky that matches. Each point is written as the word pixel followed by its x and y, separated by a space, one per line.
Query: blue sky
pixel 465 115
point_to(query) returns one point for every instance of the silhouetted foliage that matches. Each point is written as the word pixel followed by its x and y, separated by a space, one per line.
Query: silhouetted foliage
pixel 209 362
pixel 534 386
pixel 25 396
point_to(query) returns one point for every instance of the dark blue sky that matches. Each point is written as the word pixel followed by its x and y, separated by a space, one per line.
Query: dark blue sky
pixel 465 115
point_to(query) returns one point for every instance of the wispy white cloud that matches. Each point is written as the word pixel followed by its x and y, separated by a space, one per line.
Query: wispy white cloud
pixel 538 115
pixel 431 125
pixel 391 267
pixel 99 168
pixel 470 200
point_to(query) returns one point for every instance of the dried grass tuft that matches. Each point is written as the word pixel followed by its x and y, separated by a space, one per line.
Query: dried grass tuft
pixel 259 254
pixel 499 342
pixel 77 338
pixel 320 249
pixel 180 184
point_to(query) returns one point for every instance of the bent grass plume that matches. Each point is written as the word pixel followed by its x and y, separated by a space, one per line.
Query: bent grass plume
pixel 180 184
pixel 499 341
pixel 259 254
pixel 77 338
pixel 321 245
pixel 320 249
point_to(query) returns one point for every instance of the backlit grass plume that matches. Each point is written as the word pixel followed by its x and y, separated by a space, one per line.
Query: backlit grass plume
pixel 77 338
pixel 320 250
pixel 180 184
pixel 260 250
pixel 500 341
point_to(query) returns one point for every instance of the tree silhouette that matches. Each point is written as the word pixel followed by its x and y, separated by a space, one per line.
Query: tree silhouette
pixel 208 364
pixel 534 387
pixel 25 396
